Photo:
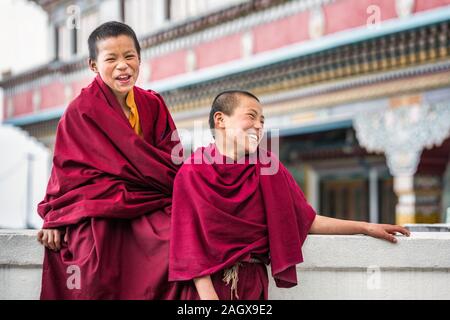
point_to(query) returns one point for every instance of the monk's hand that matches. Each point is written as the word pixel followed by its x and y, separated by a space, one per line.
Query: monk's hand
pixel 385 231
pixel 51 238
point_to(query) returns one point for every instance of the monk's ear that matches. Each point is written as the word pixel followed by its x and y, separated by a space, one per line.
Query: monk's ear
pixel 219 120
pixel 93 65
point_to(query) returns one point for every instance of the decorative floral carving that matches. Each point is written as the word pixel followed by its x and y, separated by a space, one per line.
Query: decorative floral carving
pixel 403 132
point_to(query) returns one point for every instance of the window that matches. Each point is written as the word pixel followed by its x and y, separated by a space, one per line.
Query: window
pixel 122 10
pixel 74 41
pixel 345 198
pixel 168 10
pixel 56 42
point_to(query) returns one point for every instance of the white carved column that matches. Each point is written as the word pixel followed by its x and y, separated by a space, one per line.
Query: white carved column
pixel 402 133
pixel 313 187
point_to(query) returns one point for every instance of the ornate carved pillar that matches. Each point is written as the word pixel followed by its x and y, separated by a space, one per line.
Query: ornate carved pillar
pixel 402 133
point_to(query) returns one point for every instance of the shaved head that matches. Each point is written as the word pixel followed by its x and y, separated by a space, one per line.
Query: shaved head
pixel 226 102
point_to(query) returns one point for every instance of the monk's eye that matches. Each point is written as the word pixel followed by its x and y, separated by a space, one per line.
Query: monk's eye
pixel 109 59
pixel 129 57
pixel 252 116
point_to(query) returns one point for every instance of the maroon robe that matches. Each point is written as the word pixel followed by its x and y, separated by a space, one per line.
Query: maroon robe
pixel 111 190
pixel 228 213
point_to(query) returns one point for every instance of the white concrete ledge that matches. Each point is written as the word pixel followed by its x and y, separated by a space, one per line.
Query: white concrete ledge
pixel 20 248
pixel 360 267
pixel 335 267
pixel 21 259
pixel 422 250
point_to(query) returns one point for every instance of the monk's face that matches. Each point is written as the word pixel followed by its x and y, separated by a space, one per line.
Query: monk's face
pixel 117 63
pixel 244 127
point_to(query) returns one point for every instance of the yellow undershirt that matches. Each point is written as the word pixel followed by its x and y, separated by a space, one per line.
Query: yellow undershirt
pixel 134 115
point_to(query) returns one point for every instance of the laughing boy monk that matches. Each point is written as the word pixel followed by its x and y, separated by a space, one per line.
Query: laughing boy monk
pixel 229 219
pixel 108 202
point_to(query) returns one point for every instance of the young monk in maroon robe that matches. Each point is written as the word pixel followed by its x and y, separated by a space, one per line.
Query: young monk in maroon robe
pixel 233 213
pixel 108 202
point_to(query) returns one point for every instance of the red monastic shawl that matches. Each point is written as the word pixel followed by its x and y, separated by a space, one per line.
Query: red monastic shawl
pixel 213 222
pixel 111 190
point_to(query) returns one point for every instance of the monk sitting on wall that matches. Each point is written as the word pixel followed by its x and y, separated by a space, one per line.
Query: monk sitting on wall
pixel 107 208
pixel 233 213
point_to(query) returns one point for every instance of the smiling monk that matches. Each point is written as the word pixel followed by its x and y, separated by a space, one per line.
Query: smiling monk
pixel 239 216
pixel 108 202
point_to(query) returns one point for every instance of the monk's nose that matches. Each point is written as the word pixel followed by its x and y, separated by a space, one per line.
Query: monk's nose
pixel 122 65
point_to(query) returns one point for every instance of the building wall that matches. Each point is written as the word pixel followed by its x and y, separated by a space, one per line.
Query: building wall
pixel 20 52
pixel 188 55
pixel 143 16
pixel 185 9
